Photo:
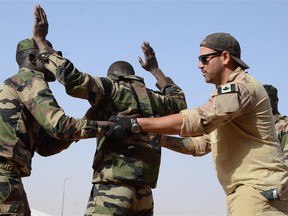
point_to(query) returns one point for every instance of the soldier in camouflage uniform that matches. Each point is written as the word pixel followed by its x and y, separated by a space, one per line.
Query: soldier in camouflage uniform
pixel 31 120
pixel 237 121
pixel 124 170
pixel 281 122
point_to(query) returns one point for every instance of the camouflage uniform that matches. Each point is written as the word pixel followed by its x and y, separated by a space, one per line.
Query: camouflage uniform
pixel 244 146
pixel 281 124
pixel 28 112
pixel 124 173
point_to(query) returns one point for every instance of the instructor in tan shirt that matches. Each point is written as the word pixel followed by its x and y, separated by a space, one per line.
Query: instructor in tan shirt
pixel 237 122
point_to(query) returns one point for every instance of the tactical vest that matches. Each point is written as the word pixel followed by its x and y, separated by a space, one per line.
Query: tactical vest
pixel 136 160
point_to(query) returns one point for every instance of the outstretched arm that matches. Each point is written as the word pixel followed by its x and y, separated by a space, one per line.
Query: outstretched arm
pixel 170 124
pixel 48 145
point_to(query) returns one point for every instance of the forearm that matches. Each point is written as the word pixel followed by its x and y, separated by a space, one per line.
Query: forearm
pixel 170 124
pixel 162 80
pixel 69 128
pixel 48 145
pixel 175 144
pixel 63 127
pixel 76 83
pixel 196 146
pixel 43 46
pixel 171 101
pixel 157 73
pixel 45 109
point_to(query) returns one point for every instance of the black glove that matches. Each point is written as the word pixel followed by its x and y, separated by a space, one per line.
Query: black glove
pixel 121 130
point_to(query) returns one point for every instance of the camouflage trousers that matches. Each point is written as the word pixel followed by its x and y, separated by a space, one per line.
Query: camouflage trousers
pixel 120 200
pixel 13 199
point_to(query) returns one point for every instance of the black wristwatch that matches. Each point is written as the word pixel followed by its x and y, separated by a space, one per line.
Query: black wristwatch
pixel 135 127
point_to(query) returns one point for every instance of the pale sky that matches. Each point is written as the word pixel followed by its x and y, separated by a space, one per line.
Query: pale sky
pixel 94 34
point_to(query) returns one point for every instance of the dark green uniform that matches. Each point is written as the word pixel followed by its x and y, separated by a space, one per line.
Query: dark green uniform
pixel 125 172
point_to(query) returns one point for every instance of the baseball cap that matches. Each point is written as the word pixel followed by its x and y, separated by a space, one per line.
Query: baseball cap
pixel 221 41
pixel 28 44
pixel 271 90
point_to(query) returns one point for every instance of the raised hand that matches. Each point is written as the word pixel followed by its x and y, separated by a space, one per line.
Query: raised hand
pixel 150 62
pixel 40 29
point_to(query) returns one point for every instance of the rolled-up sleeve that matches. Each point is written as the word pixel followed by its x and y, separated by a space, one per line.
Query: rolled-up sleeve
pixel 192 125
pixel 220 109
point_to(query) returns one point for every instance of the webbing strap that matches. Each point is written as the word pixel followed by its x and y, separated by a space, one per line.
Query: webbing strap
pixel 142 98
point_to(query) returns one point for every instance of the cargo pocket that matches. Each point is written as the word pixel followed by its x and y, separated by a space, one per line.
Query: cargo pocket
pixel 5 188
pixel 125 168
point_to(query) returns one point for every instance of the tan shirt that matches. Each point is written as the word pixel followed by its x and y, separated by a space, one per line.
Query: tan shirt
pixel 244 144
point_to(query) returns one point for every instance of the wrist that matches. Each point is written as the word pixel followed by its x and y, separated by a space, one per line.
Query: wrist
pixel 135 127
pixel 155 70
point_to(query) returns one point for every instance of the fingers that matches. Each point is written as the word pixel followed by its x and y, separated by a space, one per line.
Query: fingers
pixel 40 28
pixel 135 115
pixel 144 47
pixel 125 112
pixel 147 49
pixel 140 60
pixel 36 12
pixel 40 15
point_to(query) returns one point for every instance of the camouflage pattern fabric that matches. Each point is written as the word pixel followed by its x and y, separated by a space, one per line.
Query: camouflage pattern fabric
pixel 119 200
pixel 31 120
pixel 135 161
pixel 281 124
pixel 13 200
pixel 26 105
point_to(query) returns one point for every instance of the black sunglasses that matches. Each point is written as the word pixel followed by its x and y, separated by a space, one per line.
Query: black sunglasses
pixel 203 58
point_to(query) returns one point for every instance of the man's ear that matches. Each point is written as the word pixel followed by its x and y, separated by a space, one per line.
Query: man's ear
pixel 32 59
pixel 226 56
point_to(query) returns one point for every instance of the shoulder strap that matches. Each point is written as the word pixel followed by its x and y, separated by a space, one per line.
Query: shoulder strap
pixel 107 85
pixel 141 96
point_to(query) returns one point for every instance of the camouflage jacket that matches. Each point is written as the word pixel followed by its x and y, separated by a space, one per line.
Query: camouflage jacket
pixel 135 161
pixel 28 112
pixel 281 124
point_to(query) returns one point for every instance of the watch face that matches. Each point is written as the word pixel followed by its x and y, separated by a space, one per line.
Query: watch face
pixel 135 128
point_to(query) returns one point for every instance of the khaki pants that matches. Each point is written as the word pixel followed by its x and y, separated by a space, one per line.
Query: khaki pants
pixel 247 201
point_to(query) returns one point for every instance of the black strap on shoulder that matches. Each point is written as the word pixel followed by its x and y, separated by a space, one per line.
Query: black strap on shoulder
pixel 107 85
